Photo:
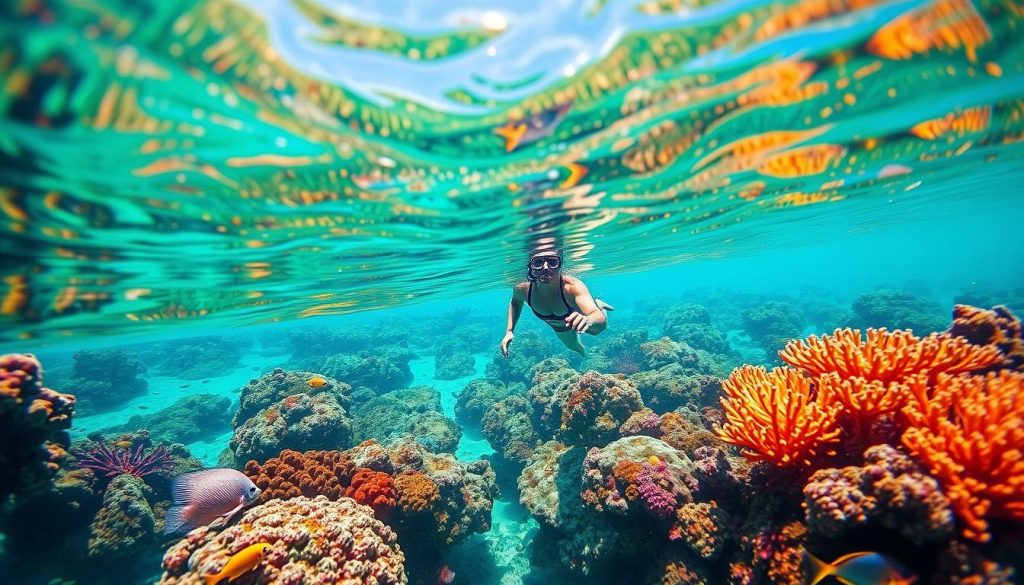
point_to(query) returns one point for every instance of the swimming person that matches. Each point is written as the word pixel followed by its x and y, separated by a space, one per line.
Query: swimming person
pixel 561 301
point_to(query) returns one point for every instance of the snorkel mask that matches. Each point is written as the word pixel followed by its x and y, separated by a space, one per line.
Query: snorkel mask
pixel 547 262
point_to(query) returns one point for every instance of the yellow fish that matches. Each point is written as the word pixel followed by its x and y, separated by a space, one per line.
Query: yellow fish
pixel 240 563
pixel 316 382
pixel 859 568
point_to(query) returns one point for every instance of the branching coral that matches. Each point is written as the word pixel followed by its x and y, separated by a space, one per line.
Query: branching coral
pixel 886 356
pixel 969 432
pixel 775 416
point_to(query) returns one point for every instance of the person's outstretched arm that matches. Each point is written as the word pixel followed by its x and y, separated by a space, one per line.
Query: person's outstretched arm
pixel 515 309
pixel 590 318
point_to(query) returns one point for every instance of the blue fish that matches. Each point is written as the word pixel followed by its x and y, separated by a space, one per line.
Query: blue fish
pixel 859 568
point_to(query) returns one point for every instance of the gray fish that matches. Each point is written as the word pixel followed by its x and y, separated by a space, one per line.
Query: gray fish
pixel 204 496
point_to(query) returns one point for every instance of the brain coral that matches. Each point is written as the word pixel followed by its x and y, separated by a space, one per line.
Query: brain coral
pixel 312 541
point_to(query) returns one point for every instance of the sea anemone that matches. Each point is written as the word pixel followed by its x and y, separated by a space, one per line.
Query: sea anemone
pixel 110 462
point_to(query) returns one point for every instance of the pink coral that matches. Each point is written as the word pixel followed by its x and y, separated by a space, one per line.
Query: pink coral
pixel 649 482
pixel 312 541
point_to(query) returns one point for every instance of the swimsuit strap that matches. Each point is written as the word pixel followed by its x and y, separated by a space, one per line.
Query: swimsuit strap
pixel 551 317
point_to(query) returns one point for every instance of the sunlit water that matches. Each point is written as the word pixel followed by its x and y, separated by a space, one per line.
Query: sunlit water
pixel 235 163
pixel 248 169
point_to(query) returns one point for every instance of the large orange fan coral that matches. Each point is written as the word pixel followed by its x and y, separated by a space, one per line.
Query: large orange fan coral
pixel 886 356
pixel 775 416
pixel 999 327
pixel 864 404
pixel 969 431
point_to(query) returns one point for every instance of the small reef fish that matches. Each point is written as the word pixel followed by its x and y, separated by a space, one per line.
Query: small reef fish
pixel 445 576
pixel 203 496
pixel 859 568
pixel 316 382
pixel 240 563
pixel 534 128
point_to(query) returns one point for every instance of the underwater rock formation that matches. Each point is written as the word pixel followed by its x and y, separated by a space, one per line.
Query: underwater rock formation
pixel 531 349
pixel 413 412
pixel 299 421
pixel 897 309
pixel 691 323
pixel 125 524
pixel 998 327
pixel 274 386
pixel 381 370
pixel 453 365
pixel 105 378
pixel 772 324
pixel 198 358
pixel 187 420
pixel 33 424
pixel 478 396
pixel 617 354
pixel 508 428
pixel 312 540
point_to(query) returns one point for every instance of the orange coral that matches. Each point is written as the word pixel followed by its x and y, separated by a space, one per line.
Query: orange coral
pixel 969 431
pixel 294 474
pixel 775 416
pixel 886 356
pixel 579 402
pixel 416 492
pixel 863 402
pixel 376 489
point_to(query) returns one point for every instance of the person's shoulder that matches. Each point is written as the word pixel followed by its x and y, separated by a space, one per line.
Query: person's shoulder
pixel 521 287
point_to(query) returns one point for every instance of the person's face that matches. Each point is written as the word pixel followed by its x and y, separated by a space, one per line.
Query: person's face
pixel 545 267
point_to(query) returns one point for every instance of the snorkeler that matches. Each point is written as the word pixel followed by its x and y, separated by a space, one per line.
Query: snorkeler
pixel 561 301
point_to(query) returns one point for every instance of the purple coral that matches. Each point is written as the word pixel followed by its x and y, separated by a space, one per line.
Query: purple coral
pixel 102 459
pixel 648 484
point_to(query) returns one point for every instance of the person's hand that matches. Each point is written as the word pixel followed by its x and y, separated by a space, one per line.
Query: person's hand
pixel 578 321
pixel 506 341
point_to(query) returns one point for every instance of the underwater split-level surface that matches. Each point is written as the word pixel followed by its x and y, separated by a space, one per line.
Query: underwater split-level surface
pixel 280 238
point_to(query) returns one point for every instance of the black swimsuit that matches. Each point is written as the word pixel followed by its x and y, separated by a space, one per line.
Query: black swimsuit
pixel 549 318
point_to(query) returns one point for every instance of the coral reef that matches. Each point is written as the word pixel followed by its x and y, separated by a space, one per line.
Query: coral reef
pixel 105 378
pixel 886 356
pixel 412 412
pixel 457 364
pixel 198 358
pixel 775 417
pixel 125 524
pixel 382 370
pixel 33 424
pixel 279 384
pixel 890 490
pixel 618 354
pixel 416 491
pixel 507 427
pixel 691 323
pixel 898 309
pixel 585 409
pixel 528 349
pixel 188 420
pixel 299 421
pixel 772 324
pixel 637 474
pixel 967 431
pixel 312 541
pixel 478 396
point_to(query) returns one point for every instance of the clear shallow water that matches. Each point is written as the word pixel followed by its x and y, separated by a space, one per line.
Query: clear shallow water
pixel 257 169
pixel 172 164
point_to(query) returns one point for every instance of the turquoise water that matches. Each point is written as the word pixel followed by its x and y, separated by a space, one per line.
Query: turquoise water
pixel 194 194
